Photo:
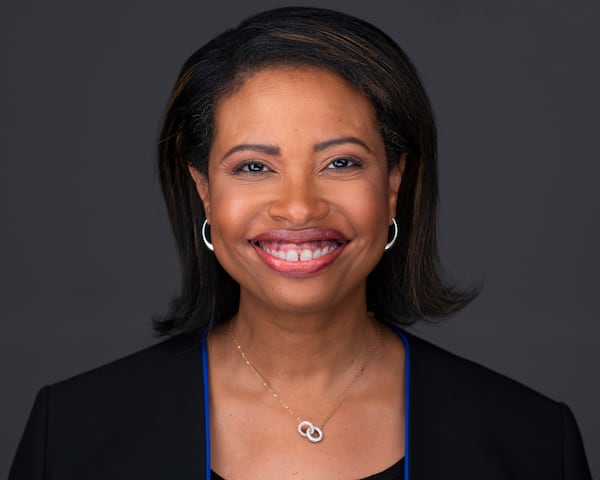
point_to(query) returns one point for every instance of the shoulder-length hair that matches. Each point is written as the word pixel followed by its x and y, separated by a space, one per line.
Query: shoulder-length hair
pixel 407 284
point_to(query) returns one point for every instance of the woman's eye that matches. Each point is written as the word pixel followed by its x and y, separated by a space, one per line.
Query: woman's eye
pixel 251 167
pixel 344 162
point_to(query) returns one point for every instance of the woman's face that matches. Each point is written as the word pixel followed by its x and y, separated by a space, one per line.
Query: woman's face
pixel 298 195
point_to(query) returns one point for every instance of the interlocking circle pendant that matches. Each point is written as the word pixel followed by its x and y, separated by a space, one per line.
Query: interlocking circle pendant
pixel 310 431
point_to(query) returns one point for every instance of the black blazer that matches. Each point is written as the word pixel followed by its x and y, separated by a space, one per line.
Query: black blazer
pixel 142 417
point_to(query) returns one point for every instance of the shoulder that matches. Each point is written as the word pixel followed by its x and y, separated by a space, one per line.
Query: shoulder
pixel 438 367
pixel 118 418
pixel 473 389
pixel 164 361
pixel 459 408
pixel 134 385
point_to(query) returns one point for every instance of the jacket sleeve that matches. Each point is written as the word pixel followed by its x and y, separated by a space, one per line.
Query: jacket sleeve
pixel 575 466
pixel 30 460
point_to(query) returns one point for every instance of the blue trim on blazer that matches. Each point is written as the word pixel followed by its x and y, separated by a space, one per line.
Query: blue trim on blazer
pixel 400 334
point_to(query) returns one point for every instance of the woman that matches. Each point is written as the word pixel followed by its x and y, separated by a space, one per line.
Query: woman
pixel 298 163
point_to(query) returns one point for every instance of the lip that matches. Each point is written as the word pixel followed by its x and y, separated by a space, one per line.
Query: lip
pixel 325 244
pixel 301 236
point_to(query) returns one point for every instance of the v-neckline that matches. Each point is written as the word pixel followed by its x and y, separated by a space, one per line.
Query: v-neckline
pixel 406 458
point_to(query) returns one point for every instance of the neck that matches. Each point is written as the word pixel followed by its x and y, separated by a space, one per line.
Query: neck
pixel 305 347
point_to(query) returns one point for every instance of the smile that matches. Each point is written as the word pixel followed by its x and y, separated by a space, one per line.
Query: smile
pixel 299 253
pixel 304 252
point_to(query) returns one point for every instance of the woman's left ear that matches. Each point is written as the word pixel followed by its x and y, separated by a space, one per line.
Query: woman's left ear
pixel 201 182
pixel 395 179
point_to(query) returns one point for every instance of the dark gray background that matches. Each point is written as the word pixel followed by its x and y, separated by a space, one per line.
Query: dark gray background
pixel 86 253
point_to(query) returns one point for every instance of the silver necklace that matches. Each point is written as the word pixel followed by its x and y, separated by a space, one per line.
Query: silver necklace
pixel 312 432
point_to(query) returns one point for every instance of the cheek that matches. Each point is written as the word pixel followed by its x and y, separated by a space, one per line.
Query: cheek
pixel 367 206
pixel 228 211
pixel 369 201
pixel 234 210
pixel 229 223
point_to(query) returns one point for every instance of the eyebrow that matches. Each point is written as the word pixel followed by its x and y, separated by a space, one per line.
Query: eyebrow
pixel 274 150
pixel 340 141
pixel 255 147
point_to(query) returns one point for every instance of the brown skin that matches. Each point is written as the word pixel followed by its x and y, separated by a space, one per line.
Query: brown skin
pixel 307 334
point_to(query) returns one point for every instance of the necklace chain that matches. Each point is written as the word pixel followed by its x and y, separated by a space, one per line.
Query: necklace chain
pixel 307 429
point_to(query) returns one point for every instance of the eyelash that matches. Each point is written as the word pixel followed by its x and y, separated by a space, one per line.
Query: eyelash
pixel 350 162
pixel 245 167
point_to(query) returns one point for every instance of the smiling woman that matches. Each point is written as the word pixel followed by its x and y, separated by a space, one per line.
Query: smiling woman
pixel 379 95
pixel 297 181
pixel 298 163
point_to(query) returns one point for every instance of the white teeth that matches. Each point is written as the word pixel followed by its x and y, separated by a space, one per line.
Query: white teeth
pixel 292 256
pixel 275 253
pixel 306 255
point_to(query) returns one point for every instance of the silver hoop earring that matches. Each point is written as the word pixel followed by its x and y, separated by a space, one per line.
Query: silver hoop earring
pixel 206 242
pixel 390 244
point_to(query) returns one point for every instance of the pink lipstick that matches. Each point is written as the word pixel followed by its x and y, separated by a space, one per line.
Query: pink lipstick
pixel 299 252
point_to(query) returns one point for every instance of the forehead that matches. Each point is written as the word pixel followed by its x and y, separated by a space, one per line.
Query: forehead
pixel 301 98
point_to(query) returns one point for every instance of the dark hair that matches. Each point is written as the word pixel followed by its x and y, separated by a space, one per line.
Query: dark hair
pixel 407 284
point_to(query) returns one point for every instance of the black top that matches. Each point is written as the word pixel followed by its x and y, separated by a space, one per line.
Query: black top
pixel 395 472
pixel 142 417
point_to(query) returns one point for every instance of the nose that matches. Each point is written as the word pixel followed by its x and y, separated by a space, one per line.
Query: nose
pixel 299 201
